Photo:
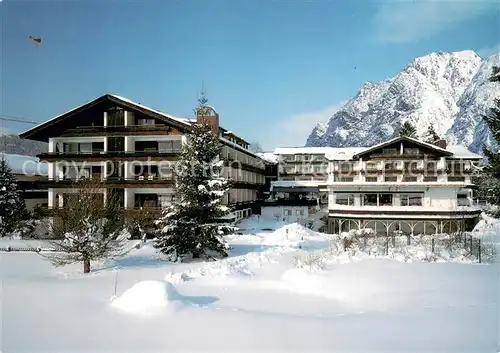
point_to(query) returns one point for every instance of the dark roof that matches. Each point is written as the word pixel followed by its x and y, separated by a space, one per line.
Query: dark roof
pixel 403 138
pixel 36 133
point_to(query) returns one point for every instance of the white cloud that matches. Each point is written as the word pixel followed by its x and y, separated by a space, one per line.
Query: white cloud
pixel 408 21
pixel 488 51
pixel 294 130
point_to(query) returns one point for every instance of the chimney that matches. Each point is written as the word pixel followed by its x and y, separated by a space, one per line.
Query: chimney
pixel 208 115
pixel 441 143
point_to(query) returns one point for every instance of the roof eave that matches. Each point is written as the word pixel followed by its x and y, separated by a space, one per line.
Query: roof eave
pixel 402 138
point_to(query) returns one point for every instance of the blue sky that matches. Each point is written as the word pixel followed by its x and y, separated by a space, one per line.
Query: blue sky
pixel 271 68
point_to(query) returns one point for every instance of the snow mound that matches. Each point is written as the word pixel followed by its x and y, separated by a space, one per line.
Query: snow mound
pixel 293 235
pixel 256 224
pixel 146 297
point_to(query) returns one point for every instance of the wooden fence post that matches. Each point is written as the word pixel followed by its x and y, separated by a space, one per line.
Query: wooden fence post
pixel 408 239
pixel 479 250
pixel 432 242
pixel 471 244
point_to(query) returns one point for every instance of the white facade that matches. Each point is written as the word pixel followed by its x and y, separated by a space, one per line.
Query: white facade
pixel 383 186
pixel 286 213
pixel 148 176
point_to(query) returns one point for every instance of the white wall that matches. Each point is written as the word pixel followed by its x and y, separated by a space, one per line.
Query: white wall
pixel 281 211
pixel 441 197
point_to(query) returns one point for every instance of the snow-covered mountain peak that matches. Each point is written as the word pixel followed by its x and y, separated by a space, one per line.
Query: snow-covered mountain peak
pixel 430 90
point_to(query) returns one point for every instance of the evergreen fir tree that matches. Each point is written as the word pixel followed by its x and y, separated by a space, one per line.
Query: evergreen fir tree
pixel 431 135
pixel 189 226
pixel 408 130
pixel 492 170
pixel 12 206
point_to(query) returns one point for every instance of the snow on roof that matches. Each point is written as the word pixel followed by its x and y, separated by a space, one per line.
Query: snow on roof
pixel 388 142
pixel 57 117
pixel 235 145
pixel 183 121
pixel 268 157
pixel 301 150
pixel 343 153
pixel 332 153
pixel 297 183
pixel 462 152
pixel 25 164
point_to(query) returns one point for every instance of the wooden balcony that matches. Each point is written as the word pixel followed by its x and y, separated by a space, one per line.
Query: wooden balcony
pixel 112 182
pixel 109 155
pixel 119 130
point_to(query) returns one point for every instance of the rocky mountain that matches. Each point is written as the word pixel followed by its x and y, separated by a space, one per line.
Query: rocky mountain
pixel 449 91
pixel 13 144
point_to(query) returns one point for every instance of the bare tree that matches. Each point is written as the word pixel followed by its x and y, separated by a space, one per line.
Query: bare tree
pixel 143 222
pixel 255 147
pixel 88 227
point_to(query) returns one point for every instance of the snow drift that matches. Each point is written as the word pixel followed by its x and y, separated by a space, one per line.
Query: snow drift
pixel 146 298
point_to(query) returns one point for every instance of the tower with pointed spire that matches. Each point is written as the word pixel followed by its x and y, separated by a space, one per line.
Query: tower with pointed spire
pixel 205 114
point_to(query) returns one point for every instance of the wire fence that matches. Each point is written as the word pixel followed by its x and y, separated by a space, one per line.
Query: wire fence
pixel 426 247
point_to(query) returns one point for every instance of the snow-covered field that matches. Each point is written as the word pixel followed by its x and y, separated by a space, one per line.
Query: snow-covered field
pixel 271 294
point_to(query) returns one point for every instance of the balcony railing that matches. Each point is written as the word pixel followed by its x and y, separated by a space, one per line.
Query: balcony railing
pixel 117 128
pixel 111 153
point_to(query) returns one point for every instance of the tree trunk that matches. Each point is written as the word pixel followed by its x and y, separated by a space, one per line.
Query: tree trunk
pixel 86 266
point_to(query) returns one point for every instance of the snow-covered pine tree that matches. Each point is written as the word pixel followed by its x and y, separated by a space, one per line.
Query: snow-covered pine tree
pixel 12 206
pixel 491 179
pixel 431 135
pixel 189 226
pixel 407 129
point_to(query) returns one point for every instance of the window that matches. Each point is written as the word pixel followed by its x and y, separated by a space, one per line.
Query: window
pixel 411 199
pixel 390 178
pixel 287 212
pixel 85 147
pixel 390 151
pixel 411 151
pixel 317 168
pixel 166 173
pixel 307 157
pixel 430 178
pixel 371 166
pixel 345 166
pixel 371 179
pixel 377 199
pixel 385 199
pixel 409 178
pixel 370 200
pixel 462 200
pixel 300 212
pixel 431 166
pixel 97 147
pixel 346 179
pixel 391 165
pixel 411 166
pixel 146 121
pixel 344 199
